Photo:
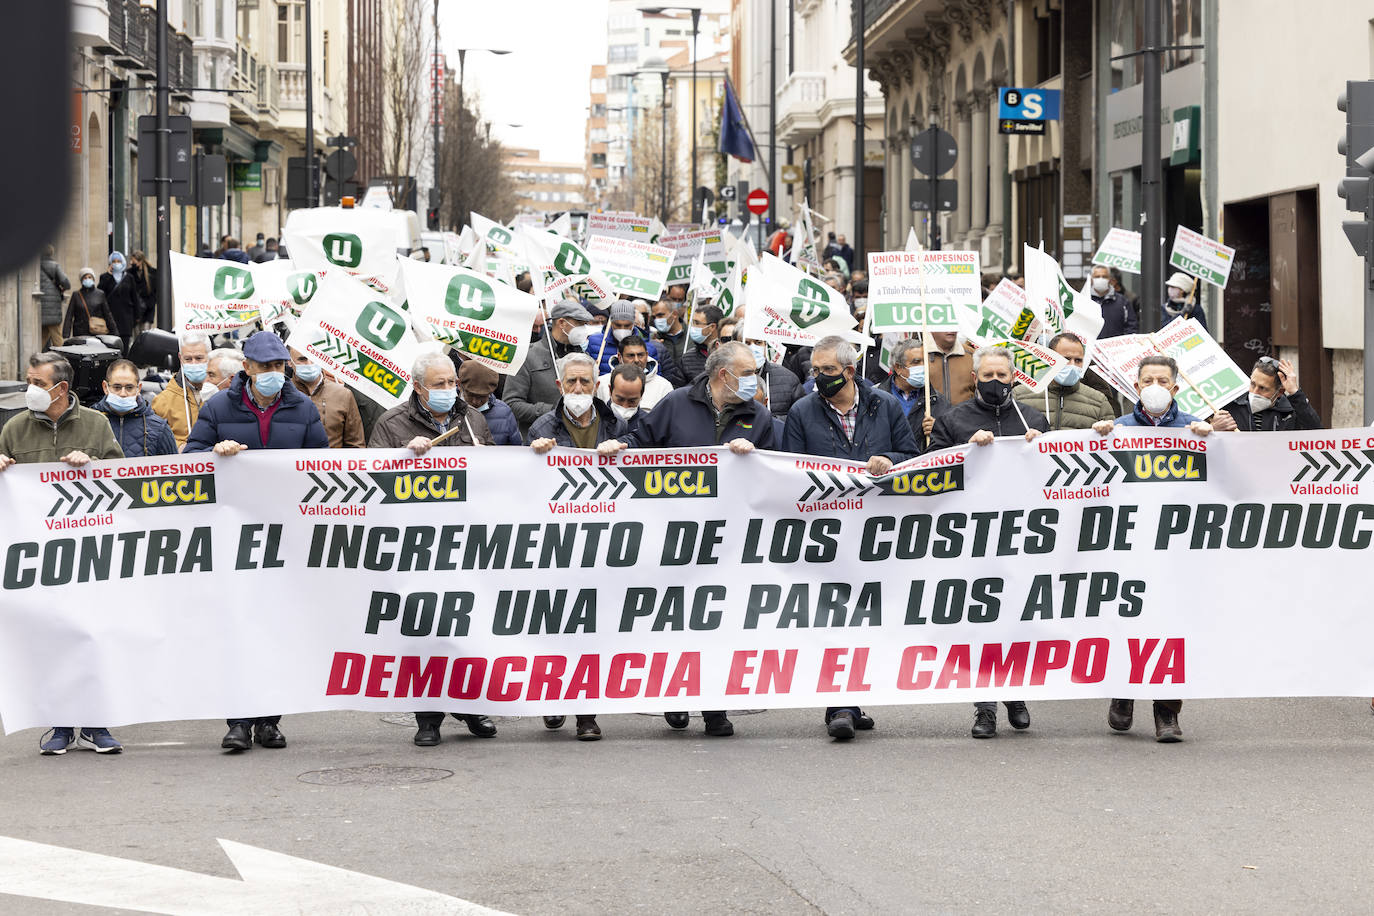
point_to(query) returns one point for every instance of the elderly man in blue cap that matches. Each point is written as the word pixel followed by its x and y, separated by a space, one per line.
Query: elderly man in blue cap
pixel 258 410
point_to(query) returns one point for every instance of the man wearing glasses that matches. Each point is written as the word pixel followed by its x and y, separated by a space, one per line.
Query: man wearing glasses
pixel 139 432
pixel 1275 402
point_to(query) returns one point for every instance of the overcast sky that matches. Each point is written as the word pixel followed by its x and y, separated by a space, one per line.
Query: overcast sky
pixel 542 84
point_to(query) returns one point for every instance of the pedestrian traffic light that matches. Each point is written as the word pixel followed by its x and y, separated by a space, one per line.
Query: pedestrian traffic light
pixel 432 217
pixel 1357 146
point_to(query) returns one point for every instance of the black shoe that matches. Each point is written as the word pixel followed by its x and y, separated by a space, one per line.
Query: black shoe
pixel 268 735
pixel 985 723
pixel 841 725
pixel 554 721
pixel 238 738
pixel 1018 716
pixel 587 729
pixel 1120 715
pixel 677 719
pixel 480 726
pixel 1166 726
pixel 427 735
pixel 863 721
pixel 717 726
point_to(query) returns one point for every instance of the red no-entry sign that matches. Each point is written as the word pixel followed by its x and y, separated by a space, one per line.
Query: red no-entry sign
pixel 757 201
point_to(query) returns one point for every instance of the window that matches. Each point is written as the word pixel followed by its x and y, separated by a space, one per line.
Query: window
pixel 621 54
pixel 325 55
pixel 599 110
pixel 646 36
pixel 619 83
pixel 599 86
pixel 1048 46
pixel 291 31
pixel 196 18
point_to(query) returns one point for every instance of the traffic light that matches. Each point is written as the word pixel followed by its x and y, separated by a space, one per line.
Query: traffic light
pixel 432 217
pixel 1357 188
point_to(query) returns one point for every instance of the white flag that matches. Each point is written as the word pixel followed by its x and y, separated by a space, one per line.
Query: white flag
pixel 1057 305
pixel 494 234
pixel 359 242
pixel 790 307
pixel 489 321
pixel 361 338
pixel 567 266
pixel 212 296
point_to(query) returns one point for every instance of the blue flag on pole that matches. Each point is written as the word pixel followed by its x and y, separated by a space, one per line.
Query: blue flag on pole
pixel 736 138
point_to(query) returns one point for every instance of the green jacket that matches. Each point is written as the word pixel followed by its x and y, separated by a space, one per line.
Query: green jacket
pixel 31 438
pixel 1078 407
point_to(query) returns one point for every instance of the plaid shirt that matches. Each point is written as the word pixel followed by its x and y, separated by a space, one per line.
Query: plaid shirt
pixel 848 418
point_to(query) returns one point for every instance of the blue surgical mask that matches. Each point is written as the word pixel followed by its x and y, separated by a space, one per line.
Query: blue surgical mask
pixel 269 384
pixel 194 372
pixel 916 376
pixel 440 400
pixel 87 283
pixel 760 354
pixel 309 373
pixel 1069 375
pixel 697 334
pixel 486 405
pixel 661 325
pixel 121 404
pixel 748 386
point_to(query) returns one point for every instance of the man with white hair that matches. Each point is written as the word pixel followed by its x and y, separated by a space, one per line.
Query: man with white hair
pixel 578 419
pixel 433 409
pixel 220 369
pixel 991 412
pixel 179 403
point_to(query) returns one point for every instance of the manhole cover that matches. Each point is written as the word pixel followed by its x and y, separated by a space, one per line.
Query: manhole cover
pixel 374 774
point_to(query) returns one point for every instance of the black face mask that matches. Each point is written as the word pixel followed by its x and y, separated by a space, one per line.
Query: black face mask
pixel 994 392
pixel 830 385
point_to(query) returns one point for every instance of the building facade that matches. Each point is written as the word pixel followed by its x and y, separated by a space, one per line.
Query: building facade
pixel 544 188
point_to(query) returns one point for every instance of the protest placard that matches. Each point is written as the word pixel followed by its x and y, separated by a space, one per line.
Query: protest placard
pixel 1204 258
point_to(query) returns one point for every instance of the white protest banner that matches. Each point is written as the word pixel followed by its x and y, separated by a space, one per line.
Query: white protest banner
pixel 1204 258
pixel 488 321
pixel 492 233
pixel 790 307
pixel 710 243
pixel 501 582
pixel 562 225
pixel 900 298
pixel 702 281
pixel 887 346
pixel 1120 249
pixel 282 288
pixel 994 317
pixel 360 242
pixel 912 242
pixel 732 294
pixel 621 226
pixel 566 266
pixel 212 296
pixel 1031 364
pixel 1057 305
pixel 1118 358
pixel 635 268
pixel 362 339
pixel 1208 378
pixel 804 252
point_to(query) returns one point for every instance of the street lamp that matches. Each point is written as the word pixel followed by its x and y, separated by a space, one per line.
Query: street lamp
pixel 692 120
pixel 462 60
pixel 658 65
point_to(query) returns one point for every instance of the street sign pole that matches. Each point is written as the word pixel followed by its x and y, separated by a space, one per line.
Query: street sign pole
pixel 163 178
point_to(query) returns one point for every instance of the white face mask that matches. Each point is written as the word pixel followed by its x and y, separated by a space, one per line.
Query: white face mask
pixel 621 333
pixel 37 398
pixel 578 336
pixel 1259 403
pixel 577 404
pixel 208 390
pixel 1101 285
pixel 1155 399
pixel 623 413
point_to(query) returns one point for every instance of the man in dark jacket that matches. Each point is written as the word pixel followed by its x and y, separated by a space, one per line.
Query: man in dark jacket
pixel 258 249
pixel 907 383
pixel 1156 384
pixel 531 391
pixel 477 386
pixel 991 412
pixel 702 334
pixel 670 335
pixel 718 408
pixel 232 251
pixel 1118 317
pixel 121 293
pixel 139 432
pixel 432 409
pixel 847 418
pixel 259 410
pixel 52 287
pixel 1275 402
pixel 578 420
pixel 781 384
pixel 620 326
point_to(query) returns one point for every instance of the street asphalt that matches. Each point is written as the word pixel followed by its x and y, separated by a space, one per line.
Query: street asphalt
pixel 1259 810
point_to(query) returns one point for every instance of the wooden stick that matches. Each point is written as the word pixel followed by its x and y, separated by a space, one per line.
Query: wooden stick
pixel 443 436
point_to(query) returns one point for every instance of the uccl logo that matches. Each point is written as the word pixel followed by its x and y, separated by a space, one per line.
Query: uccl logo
pixel 811 304
pixel 343 249
pixel 303 286
pixel 382 325
pixel 469 297
pixel 570 260
pixel 233 283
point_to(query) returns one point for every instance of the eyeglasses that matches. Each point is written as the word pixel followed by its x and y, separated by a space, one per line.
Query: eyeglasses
pixel 122 389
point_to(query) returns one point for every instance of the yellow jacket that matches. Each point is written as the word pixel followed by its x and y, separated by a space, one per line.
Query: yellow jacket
pixel 179 412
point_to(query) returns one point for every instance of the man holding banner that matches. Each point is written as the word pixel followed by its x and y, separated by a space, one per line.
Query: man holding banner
pixel 847 418
pixel 1275 402
pixel 258 411
pixel 532 390
pixel 990 413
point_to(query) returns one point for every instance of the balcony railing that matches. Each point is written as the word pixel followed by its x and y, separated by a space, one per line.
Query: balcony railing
pixel 269 91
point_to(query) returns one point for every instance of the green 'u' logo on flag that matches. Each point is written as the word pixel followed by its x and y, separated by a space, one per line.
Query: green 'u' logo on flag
pixel 811 304
pixel 343 249
pixel 469 297
pixel 233 283
pixel 302 286
pixel 381 325
pixel 570 261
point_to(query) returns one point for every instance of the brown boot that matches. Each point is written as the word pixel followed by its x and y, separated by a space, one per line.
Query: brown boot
pixel 1166 725
pixel 1120 715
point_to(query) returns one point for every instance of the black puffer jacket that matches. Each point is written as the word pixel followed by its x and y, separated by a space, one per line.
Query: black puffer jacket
pixel 963 420
pixel 1290 411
